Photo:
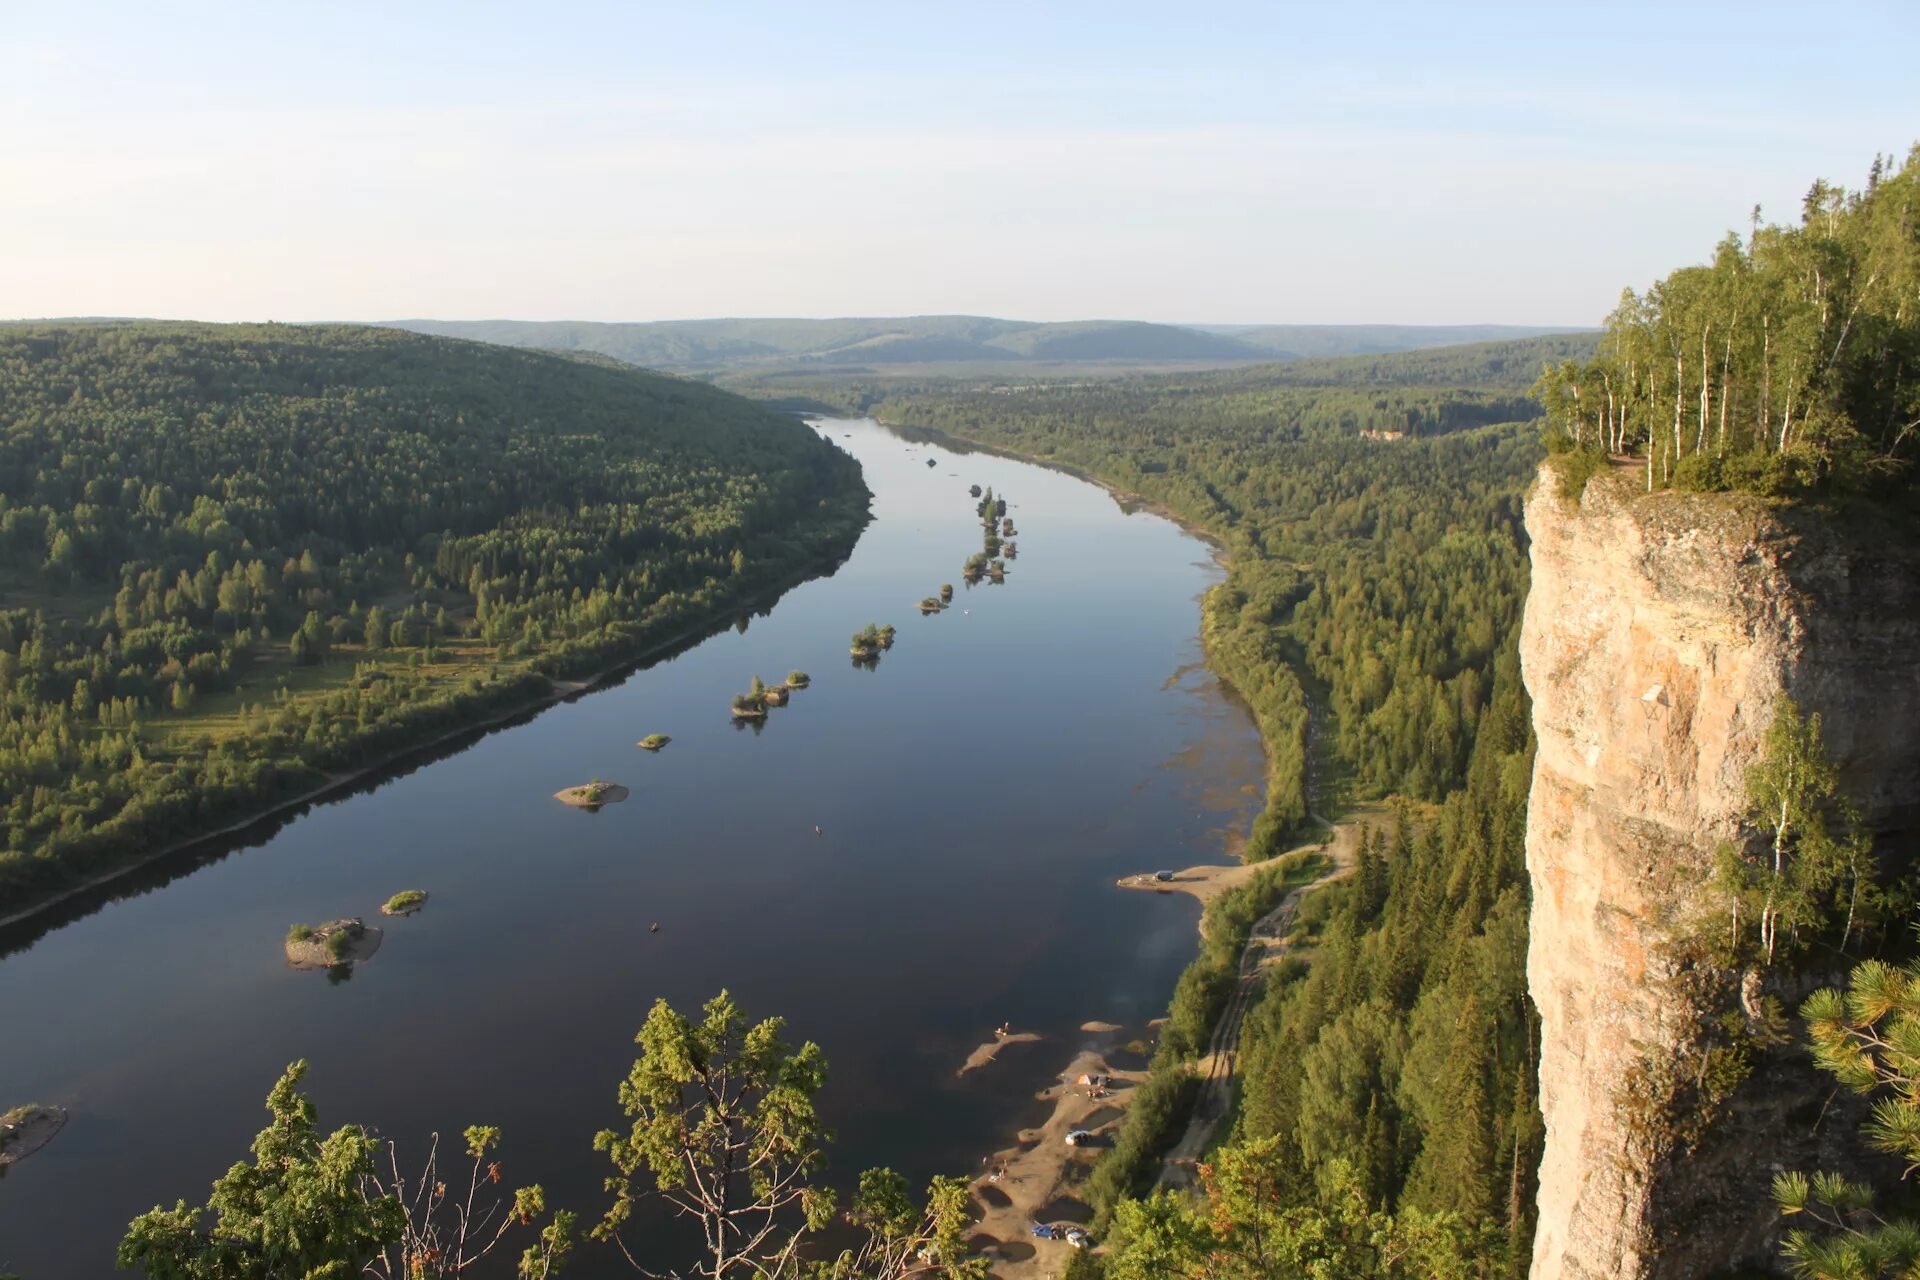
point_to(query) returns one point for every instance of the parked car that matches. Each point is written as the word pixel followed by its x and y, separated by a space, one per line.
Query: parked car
pixel 1079 1138
pixel 1078 1238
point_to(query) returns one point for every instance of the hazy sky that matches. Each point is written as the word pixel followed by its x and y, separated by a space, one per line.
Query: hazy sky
pixel 1333 162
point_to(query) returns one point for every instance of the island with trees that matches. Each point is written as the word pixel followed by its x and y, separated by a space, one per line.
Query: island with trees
pixel 751 705
pixel 870 641
pixel 653 742
pixel 332 944
pixel 404 903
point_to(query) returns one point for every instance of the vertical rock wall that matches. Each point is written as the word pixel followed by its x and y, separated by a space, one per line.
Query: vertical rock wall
pixel 1660 631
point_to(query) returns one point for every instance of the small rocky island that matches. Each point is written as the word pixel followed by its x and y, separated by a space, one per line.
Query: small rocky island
pixel 798 679
pixel 591 795
pixel 24 1130
pixel 331 945
pixel 654 741
pixel 404 903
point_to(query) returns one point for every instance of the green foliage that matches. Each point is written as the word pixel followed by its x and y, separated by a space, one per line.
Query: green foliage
pixel 1815 869
pixel 899 1238
pixel 1406 1051
pixel 319 1209
pixel 723 1123
pixel 869 640
pixel 1790 363
pixel 1868 1038
pixel 299 933
pixel 1162 1102
pixel 723 1126
pixel 174 497
pixel 298 1209
pixel 1159 1107
pixel 1206 984
pixel 1573 466
pixel 406 900
pixel 903 340
pixel 1380 577
pixel 1261 1219
pixel 1379 580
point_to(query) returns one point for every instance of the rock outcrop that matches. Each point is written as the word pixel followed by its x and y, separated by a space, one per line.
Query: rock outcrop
pixel 1660 632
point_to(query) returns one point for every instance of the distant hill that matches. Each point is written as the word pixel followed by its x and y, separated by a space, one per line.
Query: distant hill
pixel 1313 341
pixel 1511 363
pixel 959 340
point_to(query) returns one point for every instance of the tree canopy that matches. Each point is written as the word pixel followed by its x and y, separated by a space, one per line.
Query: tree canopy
pixel 240 557
pixel 1788 363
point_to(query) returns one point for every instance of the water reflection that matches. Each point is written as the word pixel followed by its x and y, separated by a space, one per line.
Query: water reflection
pixel 923 849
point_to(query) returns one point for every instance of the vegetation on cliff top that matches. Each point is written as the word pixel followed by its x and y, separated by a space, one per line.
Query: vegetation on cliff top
pixel 244 557
pixel 1789 364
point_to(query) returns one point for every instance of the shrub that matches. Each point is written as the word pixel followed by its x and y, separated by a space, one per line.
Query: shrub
pixel 300 933
pixel 1573 467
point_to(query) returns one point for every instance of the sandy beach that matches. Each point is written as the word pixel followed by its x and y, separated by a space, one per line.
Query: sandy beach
pixel 1038 1178
pixel 991 1049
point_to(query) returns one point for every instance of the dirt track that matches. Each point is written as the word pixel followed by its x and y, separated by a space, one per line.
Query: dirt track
pixel 1266 944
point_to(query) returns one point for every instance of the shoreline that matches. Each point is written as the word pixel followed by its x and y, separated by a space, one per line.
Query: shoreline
pixel 1037 1177
pixel 1126 497
pixel 558 691
pixel 1222 556
pixel 997 1231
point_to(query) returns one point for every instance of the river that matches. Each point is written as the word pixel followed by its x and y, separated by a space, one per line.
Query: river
pixel 977 794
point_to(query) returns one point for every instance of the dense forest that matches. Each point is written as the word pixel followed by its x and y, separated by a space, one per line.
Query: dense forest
pixel 895 342
pixel 1788 363
pixel 1371 509
pixel 241 559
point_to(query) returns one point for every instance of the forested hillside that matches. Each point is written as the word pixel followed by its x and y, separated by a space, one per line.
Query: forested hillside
pixel 1789 363
pixel 950 340
pixel 1371 508
pixel 239 559
pixel 1356 497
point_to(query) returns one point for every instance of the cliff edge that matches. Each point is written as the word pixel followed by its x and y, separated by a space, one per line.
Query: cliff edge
pixel 1660 632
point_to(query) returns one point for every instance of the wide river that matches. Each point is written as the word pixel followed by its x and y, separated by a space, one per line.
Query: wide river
pixel 977 795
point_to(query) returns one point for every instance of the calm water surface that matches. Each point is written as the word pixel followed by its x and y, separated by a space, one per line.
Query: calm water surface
pixel 979 792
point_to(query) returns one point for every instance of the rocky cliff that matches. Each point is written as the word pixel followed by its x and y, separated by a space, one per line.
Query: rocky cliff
pixel 1660 632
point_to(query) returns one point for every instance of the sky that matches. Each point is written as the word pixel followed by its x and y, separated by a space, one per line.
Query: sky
pixel 1201 162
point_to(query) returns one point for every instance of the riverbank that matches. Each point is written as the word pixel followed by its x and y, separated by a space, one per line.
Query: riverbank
pixel 333 784
pixel 1042 1178
pixel 1048 745
pixel 1125 497
pixel 1277 715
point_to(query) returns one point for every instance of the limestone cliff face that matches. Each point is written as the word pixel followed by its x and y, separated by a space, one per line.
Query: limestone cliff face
pixel 1660 631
